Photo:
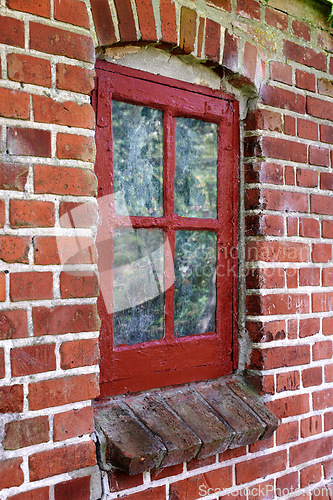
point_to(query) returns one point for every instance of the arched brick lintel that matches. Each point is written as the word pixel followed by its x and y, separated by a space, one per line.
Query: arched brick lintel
pixel 184 32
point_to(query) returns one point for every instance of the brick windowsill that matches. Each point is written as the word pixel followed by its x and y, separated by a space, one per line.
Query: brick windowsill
pixel 160 428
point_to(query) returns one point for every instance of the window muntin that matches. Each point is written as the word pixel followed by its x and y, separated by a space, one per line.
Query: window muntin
pixel 196 222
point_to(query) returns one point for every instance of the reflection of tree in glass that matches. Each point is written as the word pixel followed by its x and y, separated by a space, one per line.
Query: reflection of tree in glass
pixel 138 158
pixel 196 168
pixel 195 282
pixel 138 285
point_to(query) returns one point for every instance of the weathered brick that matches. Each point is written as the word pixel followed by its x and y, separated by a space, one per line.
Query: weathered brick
pixel 306 177
pixel 220 4
pixel 261 466
pixel 322 350
pixel 276 19
pixel 328 276
pixel 189 488
pixel 31 286
pixel 273 251
pixel 281 72
pixel 76 147
pixel 22 433
pixel 265 278
pixel 11 473
pixel 13 324
pixel 75 214
pixel 282 98
pixel 307 129
pixel 290 406
pixel 74 78
pixel 40 8
pixel 312 376
pixel 310 475
pixel 212 44
pixel 319 108
pixel 2 364
pixel 61 460
pixel 230 51
pixel 76 488
pixel 13 176
pixel 309 326
pixel 79 353
pixel 157 493
pixel 327 229
pixel 65 319
pixel 32 359
pixel 11 31
pixel 103 22
pixel 64 250
pixel 264 119
pixel 248 8
pixel 319 156
pixel 29 142
pixel 125 20
pixel 288 381
pixel 28 69
pixel 279 357
pixel 73 423
pixel 305 80
pixel 64 180
pixel 284 150
pixel 272 225
pixel 146 20
pixel 72 12
pixel 11 398
pixel 287 433
pixel 322 399
pixel 168 22
pixel 187 35
pixel 61 391
pixel 326 181
pixel 309 228
pixel 78 284
pixel 37 494
pixel 321 204
pixel 119 480
pixel 322 301
pixel 301 29
pixel 304 55
pixel 53 40
pixel 266 332
pixel 14 104
pixel 321 252
pixel 31 213
pixel 47 110
pixel 14 249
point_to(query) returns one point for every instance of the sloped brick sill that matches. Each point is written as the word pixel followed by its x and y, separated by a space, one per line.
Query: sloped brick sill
pixel 165 427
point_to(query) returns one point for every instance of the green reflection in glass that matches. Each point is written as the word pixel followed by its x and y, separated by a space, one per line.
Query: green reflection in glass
pixel 137 159
pixel 196 168
pixel 195 282
pixel 138 281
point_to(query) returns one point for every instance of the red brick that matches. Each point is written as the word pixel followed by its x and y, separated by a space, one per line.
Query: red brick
pixel 14 104
pixel 326 181
pixel 325 40
pixel 310 475
pixel 189 488
pixel 284 200
pixel 2 287
pixel 264 119
pixel 230 51
pixel 328 426
pixel 292 226
pixel 61 391
pixel 287 433
pixel 281 72
pixel 319 156
pixel 309 228
pixel 264 384
pixel 307 129
pixel 325 87
pixel 2 363
pixel 322 302
pixel 326 133
pixel 291 277
pixel 328 375
pixel 125 21
pixel 328 325
pixel 321 204
pixel 47 110
pixel 284 150
pixel 168 22
pixel 276 19
pixel 312 376
pixel 289 125
pixel 265 332
pixel 308 327
pixel 265 278
pixel 65 319
pixel 321 252
pixel 31 213
pixel 276 251
pixel 272 225
pixel 74 78
pixel 306 177
pixel 73 423
pixel 261 466
pixel 327 229
pixel 40 8
pixel 220 4
pixel 29 142
pixel 311 426
pixel 278 357
pixel 301 29
pixel 200 41
pixel 31 286
pixel 11 31
pixel 196 463
pixel 72 12
pixel 78 284
pixel 13 176
pixel 38 494
pixel 61 42
pixel 288 381
pixel 32 359
pixel 264 172
pixel 14 249
pixel 188 20
pixel 322 399
pixel 28 69
pixel 250 61
pixel 288 482
pixel 290 406
pixel 282 98
pixel 27 432
pixel 61 460
pixel 79 353
pixel 289 175
pixel 13 324
pixel 75 147
pixel 322 350
pixel 64 250
pixel 146 20
pixel 319 108
pixel 328 276
pixel 78 488
pixel 305 80
pixel 11 473
pixel 73 214
pixel 304 55
pixel 119 480
pixel 157 493
pixel 11 399
pixel 248 8
pixel 64 180
pixel 103 22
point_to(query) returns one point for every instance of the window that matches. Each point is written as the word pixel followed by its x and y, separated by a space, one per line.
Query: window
pixel 167 167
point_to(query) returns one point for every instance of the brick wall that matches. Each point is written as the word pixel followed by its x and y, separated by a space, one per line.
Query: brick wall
pixel 48 283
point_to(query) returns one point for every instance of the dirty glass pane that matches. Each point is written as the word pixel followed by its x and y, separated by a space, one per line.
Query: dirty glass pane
pixel 137 159
pixel 196 168
pixel 138 281
pixel 195 282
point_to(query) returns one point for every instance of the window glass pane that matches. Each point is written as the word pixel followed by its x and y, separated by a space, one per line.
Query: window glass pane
pixel 196 168
pixel 138 281
pixel 195 282
pixel 137 159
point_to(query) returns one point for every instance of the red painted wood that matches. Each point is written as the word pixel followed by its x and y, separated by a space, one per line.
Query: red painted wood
pixel 170 360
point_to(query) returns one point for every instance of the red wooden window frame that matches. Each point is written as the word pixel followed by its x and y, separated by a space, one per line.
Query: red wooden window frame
pixel 171 360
